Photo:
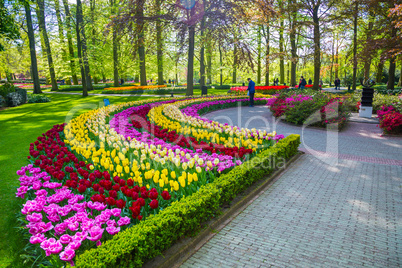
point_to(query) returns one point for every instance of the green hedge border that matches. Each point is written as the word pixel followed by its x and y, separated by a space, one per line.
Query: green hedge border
pixel 132 247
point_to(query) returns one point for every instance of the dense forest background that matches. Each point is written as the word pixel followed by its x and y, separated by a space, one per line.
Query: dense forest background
pixel 203 41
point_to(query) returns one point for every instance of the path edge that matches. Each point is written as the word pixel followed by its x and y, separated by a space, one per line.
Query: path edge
pixel 183 249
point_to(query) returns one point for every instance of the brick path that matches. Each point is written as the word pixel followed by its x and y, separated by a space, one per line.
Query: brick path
pixel 346 212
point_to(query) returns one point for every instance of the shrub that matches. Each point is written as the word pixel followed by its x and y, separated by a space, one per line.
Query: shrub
pixel 35 98
pixel 301 111
pixel 390 120
pixel 6 89
pixel 14 99
pixel 23 93
pixel 2 101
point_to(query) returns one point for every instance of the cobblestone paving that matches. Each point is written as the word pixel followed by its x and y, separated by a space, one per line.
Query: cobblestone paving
pixel 346 213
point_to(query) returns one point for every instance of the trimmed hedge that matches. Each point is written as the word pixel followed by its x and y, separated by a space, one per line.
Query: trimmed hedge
pixel 135 245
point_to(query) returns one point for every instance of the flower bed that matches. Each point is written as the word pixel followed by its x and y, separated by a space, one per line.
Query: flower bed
pixel 319 110
pixel 136 88
pixel 258 89
pixel 133 165
pixel 306 86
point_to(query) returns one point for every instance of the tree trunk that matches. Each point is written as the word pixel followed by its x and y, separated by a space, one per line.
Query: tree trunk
pixel 234 80
pixel 70 42
pixel 190 64
pixel 79 48
pixel 202 57
pixel 92 5
pixel 392 66
pixel 42 25
pixel 60 26
pixel 141 48
pixel 221 64
pixel 31 37
pixel 85 53
pixel 267 59
pixel 259 56
pixel 332 60
pixel 355 46
pixel 367 62
pixel 115 49
pixel 281 56
pixel 159 44
pixel 380 68
pixel 209 62
pixel 317 48
pixel 293 50
pixel 337 57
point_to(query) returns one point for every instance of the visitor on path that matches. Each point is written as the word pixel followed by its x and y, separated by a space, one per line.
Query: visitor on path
pixel 337 83
pixel 170 81
pixel 321 83
pixel 251 91
pixel 277 81
pixel 302 83
pixel 310 82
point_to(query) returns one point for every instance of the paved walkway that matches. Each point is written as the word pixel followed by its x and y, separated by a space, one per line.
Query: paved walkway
pixel 338 205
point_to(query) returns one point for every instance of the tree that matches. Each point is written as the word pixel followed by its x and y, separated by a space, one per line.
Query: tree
pixel 159 43
pixel 317 10
pixel 82 52
pixel 8 28
pixel 31 37
pixel 70 42
pixel 42 26
pixel 141 41
pixel 355 16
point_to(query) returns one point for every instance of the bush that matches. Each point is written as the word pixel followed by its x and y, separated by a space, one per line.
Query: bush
pixel 69 88
pixel 38 98
pixel 2 101
pixel 6 89
pixel 301 111
pixel 14 99
pixel 383 90
pixel 390 119
pixel 132 247
pixel 381 100
pixel 23 93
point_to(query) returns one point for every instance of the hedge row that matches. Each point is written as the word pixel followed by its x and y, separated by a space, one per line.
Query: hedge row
pixel 134 246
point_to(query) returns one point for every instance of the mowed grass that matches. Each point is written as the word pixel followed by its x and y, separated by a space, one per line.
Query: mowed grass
pixel 20 126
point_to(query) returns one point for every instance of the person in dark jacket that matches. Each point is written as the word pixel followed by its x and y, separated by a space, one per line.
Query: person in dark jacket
pixel 302 83
pixel 310 82
pixel 337 83
pixel 251 91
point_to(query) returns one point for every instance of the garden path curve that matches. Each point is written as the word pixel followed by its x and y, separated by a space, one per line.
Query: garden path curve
pixel 338 205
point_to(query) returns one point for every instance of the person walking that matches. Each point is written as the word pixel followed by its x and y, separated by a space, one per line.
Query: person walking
pixel 251 91
pixel 337 83
pixel 310 82
pixel 302 83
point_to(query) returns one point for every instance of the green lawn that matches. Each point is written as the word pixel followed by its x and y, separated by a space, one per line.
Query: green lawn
pixel 20 126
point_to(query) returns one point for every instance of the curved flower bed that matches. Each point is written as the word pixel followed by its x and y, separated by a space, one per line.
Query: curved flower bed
pixel 136 87
pixel 113 167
